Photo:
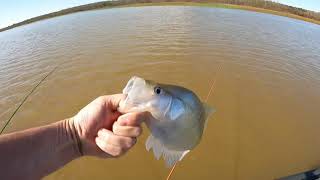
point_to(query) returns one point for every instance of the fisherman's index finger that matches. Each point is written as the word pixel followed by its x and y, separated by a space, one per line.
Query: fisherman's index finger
pixel 133 119
pixel 113 101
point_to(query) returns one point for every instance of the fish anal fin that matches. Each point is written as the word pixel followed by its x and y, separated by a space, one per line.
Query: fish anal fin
pixel 170 156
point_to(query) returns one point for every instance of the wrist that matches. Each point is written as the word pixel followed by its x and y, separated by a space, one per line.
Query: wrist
pixel 72 135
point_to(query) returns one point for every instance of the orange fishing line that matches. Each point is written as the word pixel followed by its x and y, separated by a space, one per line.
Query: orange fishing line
pixel 214 80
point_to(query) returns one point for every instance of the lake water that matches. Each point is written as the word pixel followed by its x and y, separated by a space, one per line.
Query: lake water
pixel 267 94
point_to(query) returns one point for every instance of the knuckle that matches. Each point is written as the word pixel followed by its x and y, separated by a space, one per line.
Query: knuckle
pixel 122 151
pixel 111 139
pixel 105 144
pixel 119 152
pixel 115 154
pixel 130 142
pixel 115 127
pixel 112 151
pixel 132 118
pixel 100 99
pixel 137 115
pixel 118 130
pixel 141 117
pixel 102 144
pixel 138 131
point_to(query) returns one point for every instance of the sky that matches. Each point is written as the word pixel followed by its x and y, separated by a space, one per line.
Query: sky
pixel 313 5
pixel 14 11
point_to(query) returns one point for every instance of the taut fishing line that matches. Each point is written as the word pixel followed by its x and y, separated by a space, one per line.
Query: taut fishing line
pixel 214 80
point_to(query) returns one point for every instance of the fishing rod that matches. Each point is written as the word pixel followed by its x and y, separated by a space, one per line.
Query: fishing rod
pixel 25 98
pixel 214 80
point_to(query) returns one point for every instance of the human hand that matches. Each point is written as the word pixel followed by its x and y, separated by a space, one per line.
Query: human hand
pixel 103 131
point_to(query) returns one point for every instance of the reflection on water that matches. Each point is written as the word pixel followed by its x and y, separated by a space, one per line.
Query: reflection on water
pixel 267 95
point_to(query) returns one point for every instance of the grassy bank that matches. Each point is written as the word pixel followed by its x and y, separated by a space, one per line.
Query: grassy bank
pixel 133 3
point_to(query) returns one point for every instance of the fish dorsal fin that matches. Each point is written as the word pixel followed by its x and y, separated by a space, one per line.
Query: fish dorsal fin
pixel 170 156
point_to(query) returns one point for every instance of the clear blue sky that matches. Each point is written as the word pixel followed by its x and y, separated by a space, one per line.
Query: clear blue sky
pixel 313 5
pixel 13 11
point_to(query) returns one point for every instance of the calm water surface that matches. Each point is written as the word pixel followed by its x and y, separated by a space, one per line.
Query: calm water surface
pixel 267 94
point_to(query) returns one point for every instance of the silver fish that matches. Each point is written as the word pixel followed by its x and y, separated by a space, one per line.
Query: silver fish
pixel 178 116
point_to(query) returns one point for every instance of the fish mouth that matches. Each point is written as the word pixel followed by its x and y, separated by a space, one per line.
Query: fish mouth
pixel 129 86
pixel 130 102
pixel 134 80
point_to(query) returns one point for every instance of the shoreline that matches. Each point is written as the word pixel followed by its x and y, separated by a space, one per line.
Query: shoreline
pixel 123 4
pixel 225 6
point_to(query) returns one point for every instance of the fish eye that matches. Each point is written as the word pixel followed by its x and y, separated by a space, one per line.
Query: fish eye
pixel 157 90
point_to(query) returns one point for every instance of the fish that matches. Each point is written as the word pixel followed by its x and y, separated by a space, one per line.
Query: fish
pixel 177 121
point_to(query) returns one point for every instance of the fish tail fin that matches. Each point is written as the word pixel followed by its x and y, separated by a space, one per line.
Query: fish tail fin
pixel 170 156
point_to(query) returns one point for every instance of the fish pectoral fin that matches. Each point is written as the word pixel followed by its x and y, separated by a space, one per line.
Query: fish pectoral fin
pixel 170 156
